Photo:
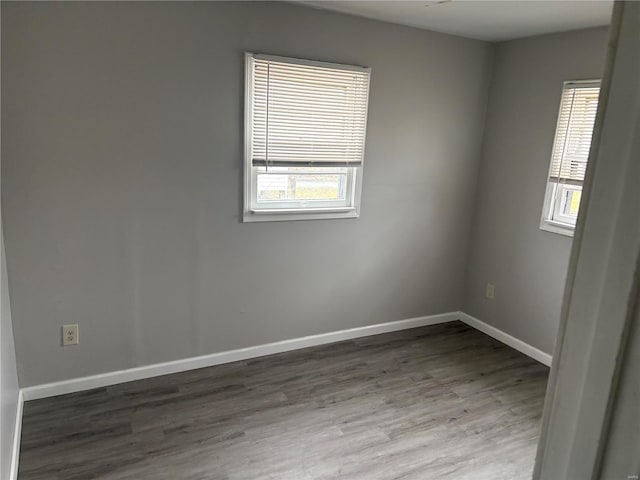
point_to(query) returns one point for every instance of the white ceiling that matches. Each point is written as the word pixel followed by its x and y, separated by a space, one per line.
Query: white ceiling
pixel 483 20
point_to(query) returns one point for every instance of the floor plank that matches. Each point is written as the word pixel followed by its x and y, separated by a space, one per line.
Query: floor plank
pixel 440 402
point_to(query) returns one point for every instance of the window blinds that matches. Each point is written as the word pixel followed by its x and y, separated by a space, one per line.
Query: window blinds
pixel 573 134
pixel 306 113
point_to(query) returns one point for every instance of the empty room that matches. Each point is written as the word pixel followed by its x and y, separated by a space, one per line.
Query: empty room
pixel 320 240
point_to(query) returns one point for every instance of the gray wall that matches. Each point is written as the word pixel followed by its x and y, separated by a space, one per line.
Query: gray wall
pixel 527 265
pixel 122 182
pixel 8 373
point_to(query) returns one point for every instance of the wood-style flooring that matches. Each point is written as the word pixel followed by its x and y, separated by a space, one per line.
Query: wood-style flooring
pixel 440 402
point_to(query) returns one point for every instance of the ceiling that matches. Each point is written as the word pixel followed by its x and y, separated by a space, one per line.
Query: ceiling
pixel 483 20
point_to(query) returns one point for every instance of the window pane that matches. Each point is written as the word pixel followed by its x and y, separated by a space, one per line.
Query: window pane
pixel 314 186
pixel 574 204
pixel 570 202
pixel 566 203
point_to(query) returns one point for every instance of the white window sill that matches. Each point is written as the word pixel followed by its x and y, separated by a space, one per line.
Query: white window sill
pixel 557 227
pixel 285 215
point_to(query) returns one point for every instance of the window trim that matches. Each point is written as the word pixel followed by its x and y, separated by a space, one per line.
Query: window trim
pixel 547 221
pixel 354 174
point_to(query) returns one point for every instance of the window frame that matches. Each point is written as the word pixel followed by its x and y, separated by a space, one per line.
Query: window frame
pixel 553 218
pixel 350 208
pixel 299 205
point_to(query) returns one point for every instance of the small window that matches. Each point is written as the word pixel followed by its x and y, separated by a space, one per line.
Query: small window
pixel 570 154
pixel 304 139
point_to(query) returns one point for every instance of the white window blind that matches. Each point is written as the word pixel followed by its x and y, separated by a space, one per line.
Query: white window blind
pixel 574 130
pixel 306 113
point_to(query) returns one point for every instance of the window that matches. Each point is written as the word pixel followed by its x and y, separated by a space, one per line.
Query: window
pixel 569 157
pixel 304 139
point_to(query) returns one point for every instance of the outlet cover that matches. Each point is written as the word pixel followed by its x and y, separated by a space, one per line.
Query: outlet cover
pixel 491 291
pixel 70 334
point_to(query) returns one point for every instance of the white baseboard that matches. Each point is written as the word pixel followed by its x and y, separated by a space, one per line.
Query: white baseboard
pixel 17 432
pixel 507 339
pixel 148 371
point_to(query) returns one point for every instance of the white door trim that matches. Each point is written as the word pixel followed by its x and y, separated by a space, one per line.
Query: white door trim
pixel 601 287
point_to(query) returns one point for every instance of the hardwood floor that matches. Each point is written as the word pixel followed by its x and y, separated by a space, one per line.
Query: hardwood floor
pixel 439 402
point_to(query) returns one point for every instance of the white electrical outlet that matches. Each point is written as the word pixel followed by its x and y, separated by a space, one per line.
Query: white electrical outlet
pixel 490 291
pixel 70 334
